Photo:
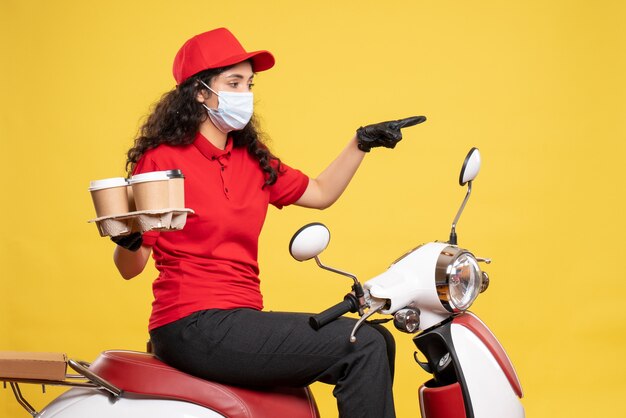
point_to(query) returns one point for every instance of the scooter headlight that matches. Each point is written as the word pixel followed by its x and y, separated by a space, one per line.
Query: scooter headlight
pixel 458 279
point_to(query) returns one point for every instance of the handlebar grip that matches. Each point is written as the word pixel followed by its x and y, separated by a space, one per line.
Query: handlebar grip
pixel 349 304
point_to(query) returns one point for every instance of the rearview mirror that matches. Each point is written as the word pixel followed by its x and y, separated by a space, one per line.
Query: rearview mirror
pixel 471 167
pixel 309 241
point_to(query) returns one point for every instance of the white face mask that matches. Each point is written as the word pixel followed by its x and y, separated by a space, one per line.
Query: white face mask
pixel 233 112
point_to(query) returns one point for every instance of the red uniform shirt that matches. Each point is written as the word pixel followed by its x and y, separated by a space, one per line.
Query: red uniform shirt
pixel 212 262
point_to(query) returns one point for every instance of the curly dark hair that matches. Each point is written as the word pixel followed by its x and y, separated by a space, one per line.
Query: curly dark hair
pixel 176 120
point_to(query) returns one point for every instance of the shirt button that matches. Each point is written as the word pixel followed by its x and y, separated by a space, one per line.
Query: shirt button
pixel 226 189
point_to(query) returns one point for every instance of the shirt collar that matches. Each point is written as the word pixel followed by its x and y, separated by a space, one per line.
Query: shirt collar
pixel 209 150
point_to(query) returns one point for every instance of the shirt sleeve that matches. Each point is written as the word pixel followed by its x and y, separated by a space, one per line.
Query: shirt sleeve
pixel 145 165
pixel 289 187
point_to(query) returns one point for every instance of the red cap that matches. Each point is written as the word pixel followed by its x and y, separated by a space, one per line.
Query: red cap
pixel 214 49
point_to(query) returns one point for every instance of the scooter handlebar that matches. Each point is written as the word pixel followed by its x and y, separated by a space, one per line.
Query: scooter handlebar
pixel 348 304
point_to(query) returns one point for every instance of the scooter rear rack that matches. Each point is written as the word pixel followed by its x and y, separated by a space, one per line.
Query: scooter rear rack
pixel 83 379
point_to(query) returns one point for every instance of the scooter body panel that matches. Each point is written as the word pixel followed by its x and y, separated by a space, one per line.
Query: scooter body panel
pixel 473 377
pixel 81 403
pixel 490 390
pixel 442 402
pixel 478 328
pixel 410 282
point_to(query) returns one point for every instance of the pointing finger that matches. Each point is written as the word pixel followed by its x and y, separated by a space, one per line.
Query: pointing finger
pixel 406 122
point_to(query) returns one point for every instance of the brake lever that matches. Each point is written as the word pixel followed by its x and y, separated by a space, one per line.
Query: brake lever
pixel 375 308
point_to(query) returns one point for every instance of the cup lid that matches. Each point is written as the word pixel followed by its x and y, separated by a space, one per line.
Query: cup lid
pixel 149 176
pixel 107 183
pixel 175 174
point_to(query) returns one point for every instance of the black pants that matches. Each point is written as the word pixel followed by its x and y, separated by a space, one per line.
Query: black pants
pixel 255 348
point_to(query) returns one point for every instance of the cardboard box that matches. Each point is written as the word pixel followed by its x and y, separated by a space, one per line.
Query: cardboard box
pixel 32 366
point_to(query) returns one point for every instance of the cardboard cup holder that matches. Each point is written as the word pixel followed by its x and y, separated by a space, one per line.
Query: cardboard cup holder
pixel 145 202
pixel 142 221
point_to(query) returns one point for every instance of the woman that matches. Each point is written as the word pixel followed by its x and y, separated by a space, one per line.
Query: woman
pixel 207 316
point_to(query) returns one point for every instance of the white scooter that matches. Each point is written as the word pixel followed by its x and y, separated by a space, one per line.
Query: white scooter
pixel 427 290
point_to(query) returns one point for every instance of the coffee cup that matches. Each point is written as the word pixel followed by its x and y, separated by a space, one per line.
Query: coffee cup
pixel 151 190
pixel 176 188
pixel 110 196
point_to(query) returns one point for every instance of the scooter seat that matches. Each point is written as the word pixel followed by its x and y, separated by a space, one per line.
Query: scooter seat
pixel 142 373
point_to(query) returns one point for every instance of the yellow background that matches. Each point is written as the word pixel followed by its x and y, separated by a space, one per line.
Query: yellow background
pixel 537 85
